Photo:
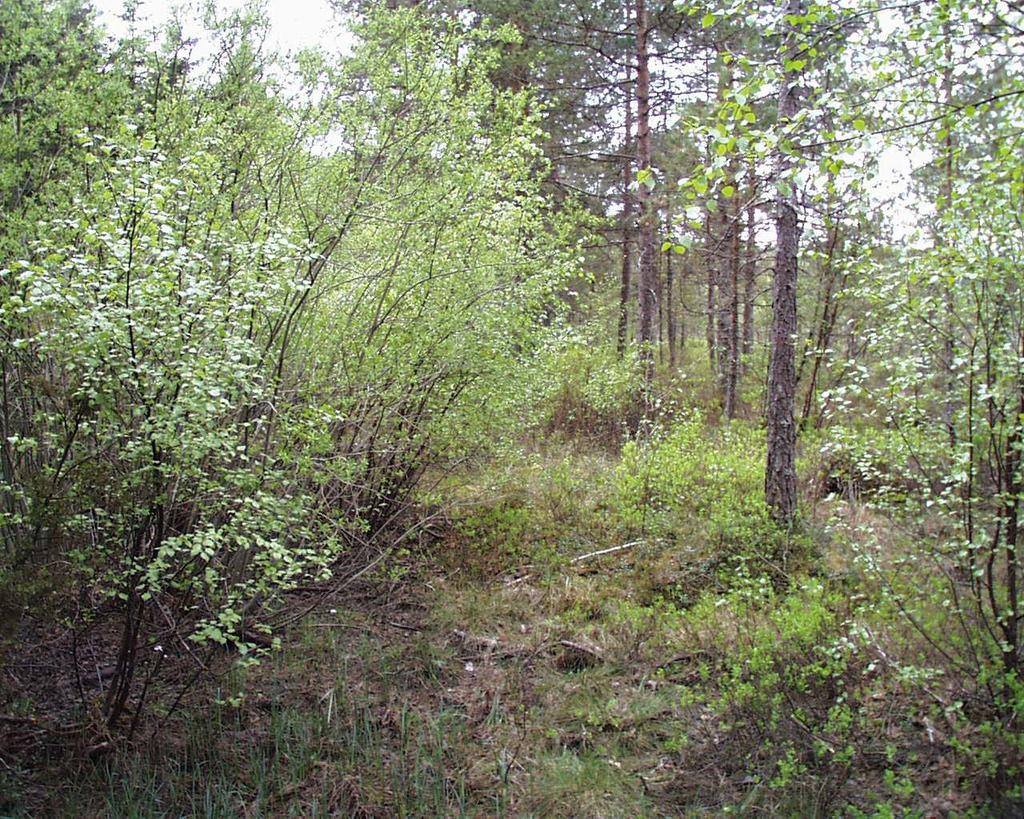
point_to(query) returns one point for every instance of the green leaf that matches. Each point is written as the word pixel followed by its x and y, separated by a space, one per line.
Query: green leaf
pixel 728 191
pixel 859 125
pixel 708 20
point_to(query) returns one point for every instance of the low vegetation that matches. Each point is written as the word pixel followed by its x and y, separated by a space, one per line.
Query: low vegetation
pixel 596 633
pixel 333 481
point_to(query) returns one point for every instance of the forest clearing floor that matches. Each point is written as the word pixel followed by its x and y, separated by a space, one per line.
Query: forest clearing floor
pixel 501 674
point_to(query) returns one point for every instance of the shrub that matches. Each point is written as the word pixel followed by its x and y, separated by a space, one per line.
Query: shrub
pixel 144 393
pixel 689 481
pixel 592 392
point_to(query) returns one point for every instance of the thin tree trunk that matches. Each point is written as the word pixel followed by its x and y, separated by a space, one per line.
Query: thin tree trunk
pixel 780 471
pixel 670 299
pixel 727 260
pixel 948 349
pixel 710 336
pixel 627 223
pixel 821 334
pixel 660 332
pixel 1009 617
pixel 681 308
pixel 723 270
pixel 733 343
pixel 648 283
pixel 749 276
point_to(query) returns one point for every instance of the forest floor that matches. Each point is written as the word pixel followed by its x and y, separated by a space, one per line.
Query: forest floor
pixel 511 670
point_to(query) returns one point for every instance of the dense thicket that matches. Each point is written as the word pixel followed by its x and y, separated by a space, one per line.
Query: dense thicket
pixel 242 325
pixel 262 318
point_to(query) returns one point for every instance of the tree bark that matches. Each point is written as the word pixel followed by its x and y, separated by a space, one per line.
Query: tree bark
pixel 749 275
pixel 820 336
pixel 670 300
pixel 722 244
pixel 662 315
pixel 627 221
pixel 728 271
pixel 681 305
pixel 712 268
pixel 733 344
pixel 780 472
pixel 648 283
pixel 946 199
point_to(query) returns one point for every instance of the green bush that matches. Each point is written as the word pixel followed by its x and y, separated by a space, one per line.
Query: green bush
pixel 218 376
pixel 874 463
pixel 592 392
pixel 689 481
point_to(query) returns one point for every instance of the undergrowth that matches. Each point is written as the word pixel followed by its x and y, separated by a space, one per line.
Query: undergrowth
pixel 604 636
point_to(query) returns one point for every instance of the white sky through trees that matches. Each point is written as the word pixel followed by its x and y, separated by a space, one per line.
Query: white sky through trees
pixel 298 24
pixel 294 24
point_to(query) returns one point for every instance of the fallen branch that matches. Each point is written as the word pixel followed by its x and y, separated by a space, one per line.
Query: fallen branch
pixel 403 626
pixel 612 550
pixel 261 640
pixel 353 626
pixel 17 720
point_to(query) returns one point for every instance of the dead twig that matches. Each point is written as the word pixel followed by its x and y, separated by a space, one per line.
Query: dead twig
pixel 403 626
pixel 612 550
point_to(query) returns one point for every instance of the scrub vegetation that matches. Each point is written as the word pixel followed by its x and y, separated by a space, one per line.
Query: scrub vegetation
pixel 530 409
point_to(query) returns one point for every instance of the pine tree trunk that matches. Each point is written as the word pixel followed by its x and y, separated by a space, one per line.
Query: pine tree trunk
pixel 728 275
pixel 681 306
pixel 627 223
pixel 733 344
pixel 724 276
pixel 660 332
pixel 712 268
pixel 749 276
pixel 648 283
pixel 670 303
pixel 780 472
